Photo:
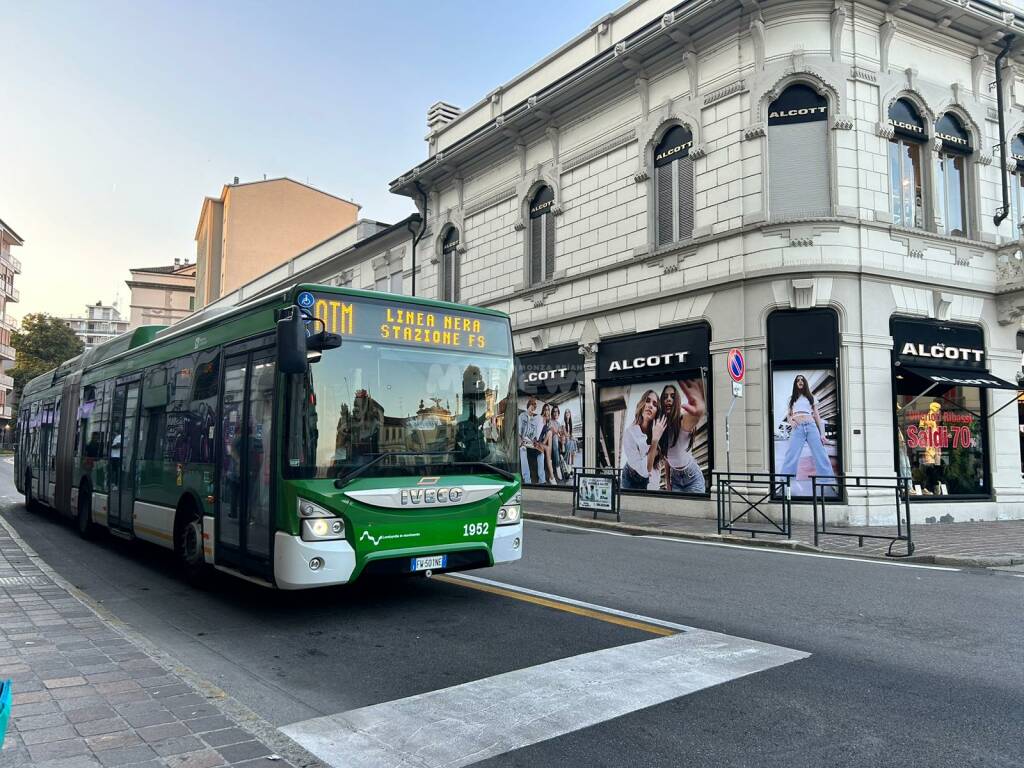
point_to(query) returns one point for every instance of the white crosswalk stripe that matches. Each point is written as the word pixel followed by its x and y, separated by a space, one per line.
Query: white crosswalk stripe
pixel 474 721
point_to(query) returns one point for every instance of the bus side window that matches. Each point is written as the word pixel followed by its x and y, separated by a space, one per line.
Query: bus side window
pixel 203 408
pixel 176 440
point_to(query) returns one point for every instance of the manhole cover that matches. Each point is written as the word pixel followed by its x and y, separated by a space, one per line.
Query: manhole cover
pixel 23 581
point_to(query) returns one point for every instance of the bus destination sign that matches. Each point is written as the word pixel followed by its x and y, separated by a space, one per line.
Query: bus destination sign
pixel 391 322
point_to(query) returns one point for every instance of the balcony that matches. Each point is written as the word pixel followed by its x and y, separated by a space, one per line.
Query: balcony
pixel 9 322
pixel 10 261
pixel 6 352
pixel 6 382
pixel 5 412
pixel 12 293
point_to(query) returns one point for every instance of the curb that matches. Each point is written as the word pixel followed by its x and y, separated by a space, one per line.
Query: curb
pixel 232 708
pixel 958 561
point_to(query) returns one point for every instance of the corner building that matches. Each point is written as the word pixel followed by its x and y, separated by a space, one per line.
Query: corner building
pixel 813 182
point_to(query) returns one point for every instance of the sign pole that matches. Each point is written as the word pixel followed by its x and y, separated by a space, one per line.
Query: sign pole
pixel 736 367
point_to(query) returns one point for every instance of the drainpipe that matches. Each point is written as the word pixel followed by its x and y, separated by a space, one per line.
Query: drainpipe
pixel 1002 213
pixel 419 235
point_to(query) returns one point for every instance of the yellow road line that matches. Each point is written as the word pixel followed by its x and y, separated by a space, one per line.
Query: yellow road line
pixel 554 604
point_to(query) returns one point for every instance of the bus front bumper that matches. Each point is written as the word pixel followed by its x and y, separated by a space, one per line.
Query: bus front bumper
pixel 294 562
pixel 508 543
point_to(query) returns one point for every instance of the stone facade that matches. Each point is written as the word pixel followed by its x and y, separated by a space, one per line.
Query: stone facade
pixel 591 138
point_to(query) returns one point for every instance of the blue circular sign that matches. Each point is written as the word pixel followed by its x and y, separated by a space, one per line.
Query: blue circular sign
pixel 306 300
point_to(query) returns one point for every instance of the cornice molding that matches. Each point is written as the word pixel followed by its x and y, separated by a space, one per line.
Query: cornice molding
pixel 490 201
pixel 603 148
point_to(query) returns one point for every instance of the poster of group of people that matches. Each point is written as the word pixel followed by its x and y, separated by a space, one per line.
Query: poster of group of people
pixel 657 433
pixel 550 422
pixel 806 432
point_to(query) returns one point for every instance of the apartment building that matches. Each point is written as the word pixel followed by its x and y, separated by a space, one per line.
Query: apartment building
pixel 9 267
pixel 101 322
pixel 255 226
pixel 161 295
pixel 812 182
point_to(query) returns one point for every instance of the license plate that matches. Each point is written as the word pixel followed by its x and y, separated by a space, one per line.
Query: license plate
pixel 429 563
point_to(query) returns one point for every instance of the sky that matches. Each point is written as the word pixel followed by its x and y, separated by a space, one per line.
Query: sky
pixel 118 118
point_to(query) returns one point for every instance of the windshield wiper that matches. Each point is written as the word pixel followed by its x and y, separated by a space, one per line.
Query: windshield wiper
pixel 484 465
pixel 348 477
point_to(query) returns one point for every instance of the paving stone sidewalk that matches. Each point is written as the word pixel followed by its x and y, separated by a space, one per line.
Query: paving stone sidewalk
pixel 989 544
pixel 86 695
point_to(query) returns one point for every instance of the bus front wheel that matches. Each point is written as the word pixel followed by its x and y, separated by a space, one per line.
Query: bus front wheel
pixel 188 544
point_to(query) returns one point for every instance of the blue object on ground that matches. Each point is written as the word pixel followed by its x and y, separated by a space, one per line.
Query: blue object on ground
pixel 5 708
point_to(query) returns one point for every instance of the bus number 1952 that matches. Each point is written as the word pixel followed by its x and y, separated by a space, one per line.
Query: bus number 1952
pixel 476 529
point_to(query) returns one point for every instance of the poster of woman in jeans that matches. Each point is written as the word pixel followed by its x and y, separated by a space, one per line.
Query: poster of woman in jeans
pixel 805 434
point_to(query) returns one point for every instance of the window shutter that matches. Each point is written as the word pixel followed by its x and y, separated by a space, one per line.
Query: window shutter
pixel 549 246
pixel 663 181
pixel 456 282
pixel 685 166
pixel 536 243
pixel 798 167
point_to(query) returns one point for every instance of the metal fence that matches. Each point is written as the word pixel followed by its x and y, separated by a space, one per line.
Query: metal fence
pixel 822 488
pixel 764 501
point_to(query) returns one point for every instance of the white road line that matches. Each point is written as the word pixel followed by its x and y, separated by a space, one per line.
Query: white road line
pixel 474 721
pixel 571 601
pixel 762 550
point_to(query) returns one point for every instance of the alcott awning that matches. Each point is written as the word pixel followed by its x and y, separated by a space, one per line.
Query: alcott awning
pixel 964 377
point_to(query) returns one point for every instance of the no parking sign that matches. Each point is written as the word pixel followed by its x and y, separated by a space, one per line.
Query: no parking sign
pixel 736 365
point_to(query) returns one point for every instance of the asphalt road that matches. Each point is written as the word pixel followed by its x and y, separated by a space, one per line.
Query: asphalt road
pixel 908 665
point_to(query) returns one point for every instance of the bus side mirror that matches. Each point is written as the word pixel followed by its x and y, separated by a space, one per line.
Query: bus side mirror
pixel 291 342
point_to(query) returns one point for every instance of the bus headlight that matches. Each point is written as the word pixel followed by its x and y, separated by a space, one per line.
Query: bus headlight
pixel 318 524
pixel 509 514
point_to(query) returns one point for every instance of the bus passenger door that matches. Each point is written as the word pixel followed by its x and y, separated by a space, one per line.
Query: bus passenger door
pixel 244 523
pixel 123 432
pixel 47 442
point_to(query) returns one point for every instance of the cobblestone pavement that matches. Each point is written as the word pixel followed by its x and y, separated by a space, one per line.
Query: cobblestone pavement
pixel 86 695
pixel 971 543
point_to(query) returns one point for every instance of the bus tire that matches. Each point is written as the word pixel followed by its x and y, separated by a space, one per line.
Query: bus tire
pixel 30 503
pixel 188 542
pixel 84 520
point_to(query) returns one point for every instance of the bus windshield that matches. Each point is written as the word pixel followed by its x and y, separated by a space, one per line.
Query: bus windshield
pixel 430 407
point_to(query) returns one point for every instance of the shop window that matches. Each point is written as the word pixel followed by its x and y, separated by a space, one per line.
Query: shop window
pixel 939 374
pixel 806 438
pixel 906 187
pixel 673 185
pixel 1016 182
pixel 542 236
pixel 550 416
pixel 654 410
pixel 951 174
pixel 798 154
pixel 450 265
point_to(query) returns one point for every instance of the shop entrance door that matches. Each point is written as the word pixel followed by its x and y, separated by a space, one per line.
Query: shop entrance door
pixel 244 519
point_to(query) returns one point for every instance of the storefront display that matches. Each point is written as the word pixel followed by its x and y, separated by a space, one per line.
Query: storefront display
pixel 550 392
pixel 939 372
pixel 803 354
pixel 654 410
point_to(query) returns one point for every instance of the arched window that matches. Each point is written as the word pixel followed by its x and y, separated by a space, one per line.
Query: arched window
pixel 542 236
pixel 906 187
pixel 798 157
pixel 450 265
pixel 951 174
pixel 1017 189
pixel 673 184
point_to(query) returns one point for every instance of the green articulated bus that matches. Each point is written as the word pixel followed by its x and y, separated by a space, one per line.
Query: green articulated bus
pixel 300 440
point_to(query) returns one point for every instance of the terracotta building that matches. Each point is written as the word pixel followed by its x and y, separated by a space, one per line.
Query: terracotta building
pixel 253 227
